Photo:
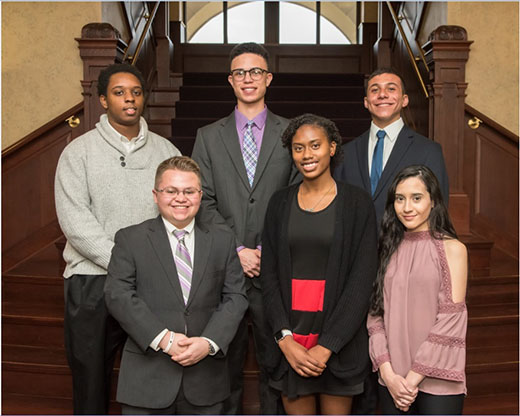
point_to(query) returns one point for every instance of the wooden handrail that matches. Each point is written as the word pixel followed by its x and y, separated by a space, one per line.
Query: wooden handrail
pixel 408 48
pixel 492 124
pixel 62 118
pixel 142 37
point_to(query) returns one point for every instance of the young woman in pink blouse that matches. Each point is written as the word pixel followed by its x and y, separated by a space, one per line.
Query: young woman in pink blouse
pixel 418 317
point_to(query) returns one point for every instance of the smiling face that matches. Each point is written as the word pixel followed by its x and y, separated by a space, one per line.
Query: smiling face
pixel 179 210
pixel 385 99
pixel 247 91
pixel 413 204
pixel 124 101
pixel 312 151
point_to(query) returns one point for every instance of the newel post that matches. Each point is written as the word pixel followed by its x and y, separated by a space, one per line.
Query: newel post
pixel 447 52
pixel 100 45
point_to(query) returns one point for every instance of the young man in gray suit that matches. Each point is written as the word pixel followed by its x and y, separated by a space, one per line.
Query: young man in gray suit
pixel 243 163
pixel 176 287
pixel 373 159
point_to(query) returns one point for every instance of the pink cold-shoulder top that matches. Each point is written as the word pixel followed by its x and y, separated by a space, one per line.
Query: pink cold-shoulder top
pixel 422 328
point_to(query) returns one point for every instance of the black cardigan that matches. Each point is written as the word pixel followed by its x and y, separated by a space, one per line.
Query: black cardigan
pixel 351 271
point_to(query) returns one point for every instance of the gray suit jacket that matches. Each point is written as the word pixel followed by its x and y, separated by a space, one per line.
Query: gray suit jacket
pixel 228 199
pixel 410 149
pixel 143 293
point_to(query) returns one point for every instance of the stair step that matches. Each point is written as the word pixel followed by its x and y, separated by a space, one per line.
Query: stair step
pixel 493 325
pixel 492 290
pixel 496 404
pixel 34 355
pixel 161 110
pixel 286 109
pixel 481 355
pixel 276 93
pixel 164 94
pixel 492 378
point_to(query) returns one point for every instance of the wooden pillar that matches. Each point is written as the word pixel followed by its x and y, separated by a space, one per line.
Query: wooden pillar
pixel 100 45
pixel 385 29
pixel 447 52
pixel 165 47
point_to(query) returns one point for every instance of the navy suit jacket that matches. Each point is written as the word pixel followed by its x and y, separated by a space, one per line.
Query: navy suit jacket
pixel 410 149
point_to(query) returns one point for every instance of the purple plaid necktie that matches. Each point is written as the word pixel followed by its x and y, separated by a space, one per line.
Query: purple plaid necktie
pixel 250 152
pixel 183 264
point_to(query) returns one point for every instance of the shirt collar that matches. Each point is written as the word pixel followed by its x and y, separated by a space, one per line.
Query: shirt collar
pixel 138 138
pixel 171 228
pixel 392 130
pixel 259 120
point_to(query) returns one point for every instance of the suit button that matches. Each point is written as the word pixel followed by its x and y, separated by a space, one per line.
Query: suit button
pixel 252 200
pixel 122 158
pixel 187 312
pixel 123 164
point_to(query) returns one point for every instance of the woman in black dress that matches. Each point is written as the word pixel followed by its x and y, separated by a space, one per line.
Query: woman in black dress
pixel 319 261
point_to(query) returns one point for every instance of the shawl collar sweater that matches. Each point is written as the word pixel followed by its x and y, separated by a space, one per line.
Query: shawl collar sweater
pixel 101 188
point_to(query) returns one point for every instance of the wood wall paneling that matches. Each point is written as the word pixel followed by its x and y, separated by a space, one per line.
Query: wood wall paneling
pixel 491 181
pixel 28 184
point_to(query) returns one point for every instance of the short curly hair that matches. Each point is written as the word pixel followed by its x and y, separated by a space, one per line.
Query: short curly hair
pixel 328 126
pixel 104 76
pixel 249 47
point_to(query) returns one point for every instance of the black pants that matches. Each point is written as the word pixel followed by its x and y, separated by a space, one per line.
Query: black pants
pixel 270 400
pixel 180 406
pixel 366 402
pixel 92 339
pixel 424 404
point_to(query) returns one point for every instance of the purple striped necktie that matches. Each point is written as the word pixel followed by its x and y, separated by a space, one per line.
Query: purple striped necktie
pixel 183 264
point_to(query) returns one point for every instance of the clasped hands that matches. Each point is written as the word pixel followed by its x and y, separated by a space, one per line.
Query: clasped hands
pixel 403 390
pixel 188 351
pixel 306 362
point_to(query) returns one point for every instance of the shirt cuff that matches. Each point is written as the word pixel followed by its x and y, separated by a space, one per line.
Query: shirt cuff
pixel 154 345
pixel 215 346
pixel 240 248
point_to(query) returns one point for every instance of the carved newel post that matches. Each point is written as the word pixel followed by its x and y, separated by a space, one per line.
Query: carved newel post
pixel 100 45
pixel 447 52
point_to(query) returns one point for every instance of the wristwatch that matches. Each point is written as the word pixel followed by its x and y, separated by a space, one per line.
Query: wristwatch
pixel 281 335
pixel 211 349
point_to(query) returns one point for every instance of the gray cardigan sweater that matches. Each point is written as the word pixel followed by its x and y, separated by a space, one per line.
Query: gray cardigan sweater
pixel 101 188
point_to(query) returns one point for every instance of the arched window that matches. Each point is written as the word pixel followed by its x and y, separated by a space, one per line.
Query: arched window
pixel 245 22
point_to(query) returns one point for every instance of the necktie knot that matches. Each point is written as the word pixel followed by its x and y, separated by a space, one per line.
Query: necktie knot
pixel 250 124
pixel 381 134
pixel 180 234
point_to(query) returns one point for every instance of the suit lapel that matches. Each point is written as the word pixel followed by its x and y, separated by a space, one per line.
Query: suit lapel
pixel 362 155
pixel 228 135
pixel 203 242
pixel 161 245
pixel 402 143
pixel 269 140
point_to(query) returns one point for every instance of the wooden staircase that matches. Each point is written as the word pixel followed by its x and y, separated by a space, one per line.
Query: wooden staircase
pixel 36 377
pixel 210 97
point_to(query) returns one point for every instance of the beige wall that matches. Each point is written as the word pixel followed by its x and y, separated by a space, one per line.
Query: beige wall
pixel 492 70
pixel 41 67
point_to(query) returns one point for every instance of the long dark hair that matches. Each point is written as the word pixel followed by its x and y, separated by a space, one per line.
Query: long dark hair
pixel 392 230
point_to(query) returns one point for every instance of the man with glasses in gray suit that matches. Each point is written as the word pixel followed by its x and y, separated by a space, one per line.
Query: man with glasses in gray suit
pixel 243 163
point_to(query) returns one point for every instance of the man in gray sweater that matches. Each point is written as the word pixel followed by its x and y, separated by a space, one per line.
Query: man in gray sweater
pixel 103 183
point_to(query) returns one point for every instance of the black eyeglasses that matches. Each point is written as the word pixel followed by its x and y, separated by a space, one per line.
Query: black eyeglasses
pixel 255 73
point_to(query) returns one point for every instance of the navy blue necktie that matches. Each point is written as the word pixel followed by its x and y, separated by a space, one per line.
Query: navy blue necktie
pixel 377 160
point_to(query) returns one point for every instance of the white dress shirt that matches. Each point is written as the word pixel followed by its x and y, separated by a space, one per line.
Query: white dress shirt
pixel 130 144
pixel 392 131
pixel 189 241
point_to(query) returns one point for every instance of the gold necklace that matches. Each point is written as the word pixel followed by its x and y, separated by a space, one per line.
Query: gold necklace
pixel 321 199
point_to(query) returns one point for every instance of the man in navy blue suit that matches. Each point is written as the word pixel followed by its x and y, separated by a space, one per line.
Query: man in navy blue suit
pixel 373 159
pixel 399 146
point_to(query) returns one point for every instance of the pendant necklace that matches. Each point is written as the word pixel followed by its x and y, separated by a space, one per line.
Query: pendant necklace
pixel 321 199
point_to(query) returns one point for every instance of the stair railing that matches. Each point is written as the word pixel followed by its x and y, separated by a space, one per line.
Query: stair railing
pixel 413 59
pixel 132 59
